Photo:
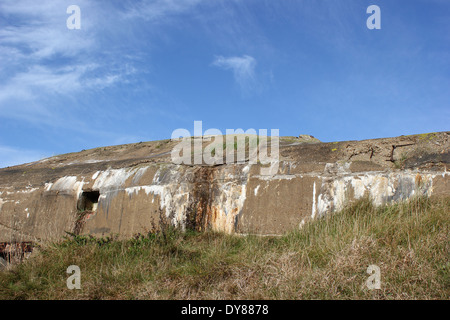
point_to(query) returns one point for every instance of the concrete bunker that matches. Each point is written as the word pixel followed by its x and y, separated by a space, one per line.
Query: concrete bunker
pixel 126 192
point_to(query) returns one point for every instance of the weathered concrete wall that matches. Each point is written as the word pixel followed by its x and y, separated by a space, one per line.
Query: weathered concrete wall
pixel 137 197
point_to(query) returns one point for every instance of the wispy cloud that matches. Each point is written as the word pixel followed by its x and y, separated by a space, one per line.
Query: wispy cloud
pixel 39 56
pixel 159 10
pixel 51 77
pixel 243 69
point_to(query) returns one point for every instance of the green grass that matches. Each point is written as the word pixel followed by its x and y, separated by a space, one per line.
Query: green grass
pixel 326 259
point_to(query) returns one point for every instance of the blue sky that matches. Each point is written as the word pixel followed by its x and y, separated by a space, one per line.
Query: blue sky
pixel 138 70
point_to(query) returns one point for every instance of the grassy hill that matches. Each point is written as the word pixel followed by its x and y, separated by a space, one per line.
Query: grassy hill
pixel 326 259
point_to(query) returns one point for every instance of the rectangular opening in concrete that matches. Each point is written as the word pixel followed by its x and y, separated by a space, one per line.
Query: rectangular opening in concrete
pixel 88 201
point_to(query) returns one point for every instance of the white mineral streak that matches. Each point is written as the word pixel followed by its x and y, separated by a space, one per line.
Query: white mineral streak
pixel 27 190
pixel 301 224
pixel 66 184
pixel 138 175
pixel 256 190
pixel 95 175
pixel 173 197
pixel 275 177
pixel 337 168
pixel 380 187
pixel 112 180
pixel 313 214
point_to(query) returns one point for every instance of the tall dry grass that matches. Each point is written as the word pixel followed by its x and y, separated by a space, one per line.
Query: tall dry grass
pixel 326 259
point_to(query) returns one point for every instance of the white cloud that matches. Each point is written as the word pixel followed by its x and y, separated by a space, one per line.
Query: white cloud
pixel 243 69
pixel 39 31
pixel 41 57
